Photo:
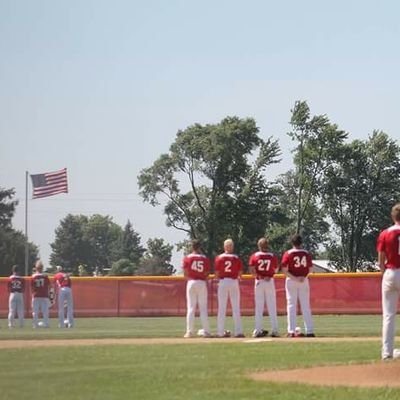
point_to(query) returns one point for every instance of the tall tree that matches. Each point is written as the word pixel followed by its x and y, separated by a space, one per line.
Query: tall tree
pixel 12 242
pixel 358 192
pixel 157 259
pixel 215 162
pixel 131 247
pixel 318 141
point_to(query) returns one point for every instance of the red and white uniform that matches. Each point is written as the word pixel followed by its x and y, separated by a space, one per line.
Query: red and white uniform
pixel 16 288
pixel 63 283
pixel 299 264
pixel 265 264
pixel 389 244
pixel 228 268
pixel 196 267
pixel 40 285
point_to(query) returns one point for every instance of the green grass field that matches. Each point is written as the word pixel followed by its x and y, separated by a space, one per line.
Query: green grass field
pixel 178 371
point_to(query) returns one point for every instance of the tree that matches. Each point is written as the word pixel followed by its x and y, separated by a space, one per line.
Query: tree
pixel 157 259
pixel 122 267
pixel 358 192
pixel 222 165
pixel 131 248
pixel 12 242
pixel 318 142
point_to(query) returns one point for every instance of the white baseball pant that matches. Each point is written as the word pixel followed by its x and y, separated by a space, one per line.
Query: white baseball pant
pixel 65 298
pixel 390 297
pixel 264 292
pixel 229 287
pixel 16 307
pixel 301 291
pixel 40 304
pixel 196 293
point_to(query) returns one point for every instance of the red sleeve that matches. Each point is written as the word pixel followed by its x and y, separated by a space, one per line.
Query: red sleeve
pixel 207 267
pixel 32 283
pixel 217 264
pixel 285 260
pixel 380 244
pixel 240 265
pixel 252 262
pixel 184 264
pixel 275 263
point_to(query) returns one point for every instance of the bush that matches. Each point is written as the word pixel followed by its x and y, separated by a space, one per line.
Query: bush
pixel 122 267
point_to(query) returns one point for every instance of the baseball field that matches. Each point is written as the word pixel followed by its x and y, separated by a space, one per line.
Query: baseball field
pixel 147 358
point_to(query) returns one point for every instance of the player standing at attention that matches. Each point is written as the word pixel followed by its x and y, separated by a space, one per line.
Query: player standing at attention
pixel 16 289
pixel 388 247
pixel 196 267
pixel 296 265
pixel 63 285
pixel 40 285
pixel 228 269
pixel 263 266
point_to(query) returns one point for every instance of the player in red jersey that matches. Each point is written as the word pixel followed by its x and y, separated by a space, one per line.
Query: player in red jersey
pixel 63 285
pixel 16 289
pixel 388 247
pixel 296 265
pixel 263 265
pixel 40 285
pixel 196 267
pixel 228 269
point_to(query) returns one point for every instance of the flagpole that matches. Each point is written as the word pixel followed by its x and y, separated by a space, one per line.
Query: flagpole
pixel 26 226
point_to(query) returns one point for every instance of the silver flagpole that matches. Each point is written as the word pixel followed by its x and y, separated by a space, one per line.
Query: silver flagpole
pixel 26 225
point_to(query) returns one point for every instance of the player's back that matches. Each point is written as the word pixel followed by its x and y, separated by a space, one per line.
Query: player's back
pixel 389 242
pixel 298 262
pixel 228 265
pixel 62 279
pixel 197 266
pixel 264 263
pixel 40 285
pixel 16 284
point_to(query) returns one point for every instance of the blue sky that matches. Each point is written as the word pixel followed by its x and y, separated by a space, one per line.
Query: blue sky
pixel 102 87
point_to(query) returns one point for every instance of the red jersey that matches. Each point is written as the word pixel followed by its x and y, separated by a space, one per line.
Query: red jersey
pixel 389 243
pixel 228 266
pixel 40 285
pixel 298 262
pixel 62 280
pixel 196 266
pixel 265 264
pixel 16 284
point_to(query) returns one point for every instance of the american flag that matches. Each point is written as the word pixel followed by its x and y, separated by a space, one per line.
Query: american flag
pixel 49 183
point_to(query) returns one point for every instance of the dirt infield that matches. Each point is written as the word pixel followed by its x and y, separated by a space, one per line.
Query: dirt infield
pixel 379 374
pixel 13 344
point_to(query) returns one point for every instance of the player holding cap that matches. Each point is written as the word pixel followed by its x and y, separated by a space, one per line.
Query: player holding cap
pixel 63 285
pixel 196 267
pixel 263 266
pixel 40 285
pixel 296 265
pixel 388 247
pixel 16 289
pixel 228 269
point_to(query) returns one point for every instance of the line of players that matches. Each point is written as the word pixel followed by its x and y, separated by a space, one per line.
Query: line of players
pixel 296 264
pixel 42 293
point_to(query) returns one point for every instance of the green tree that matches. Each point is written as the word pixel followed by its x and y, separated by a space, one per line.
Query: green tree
pixel 12 242
pixel 211 179
pixel 157 259
pixel 122 267
pixel 318 143
pixel 131 247
pixel 358 192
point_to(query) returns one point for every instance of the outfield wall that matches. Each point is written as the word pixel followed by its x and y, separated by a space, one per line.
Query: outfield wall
pixel 339 293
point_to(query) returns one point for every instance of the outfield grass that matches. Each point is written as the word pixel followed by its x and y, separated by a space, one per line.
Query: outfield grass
pixel 210 371
pixel 327 325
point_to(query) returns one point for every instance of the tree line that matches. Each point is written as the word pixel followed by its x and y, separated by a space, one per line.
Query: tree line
pixel 214 183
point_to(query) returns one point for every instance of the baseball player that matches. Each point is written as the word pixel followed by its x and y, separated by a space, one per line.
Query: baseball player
pixel 228 269
pixel 16 289
pixel 40 285
pixel 263 266
pixel 388 247
pixel 296 265
pixel 196 267
pixel 64 297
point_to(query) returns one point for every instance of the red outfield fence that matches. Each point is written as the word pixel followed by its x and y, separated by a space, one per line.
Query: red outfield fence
pixel 339 293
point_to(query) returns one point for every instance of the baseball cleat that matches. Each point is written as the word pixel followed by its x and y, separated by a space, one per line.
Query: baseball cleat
pixel 310 335
pixel 188 335
pixel 240 335
pixel 274 334
pixel 259 334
